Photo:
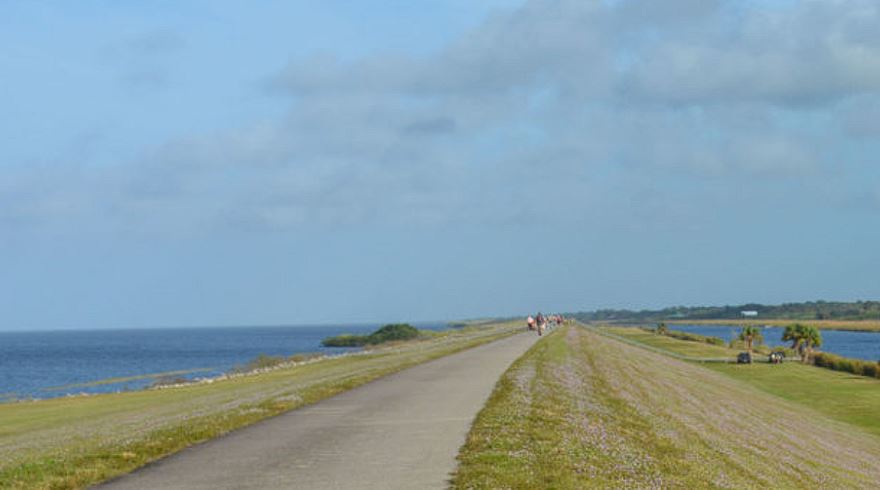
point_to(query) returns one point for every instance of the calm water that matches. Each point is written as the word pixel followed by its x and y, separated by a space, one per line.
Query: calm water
pixel 858 345
pixel 47 364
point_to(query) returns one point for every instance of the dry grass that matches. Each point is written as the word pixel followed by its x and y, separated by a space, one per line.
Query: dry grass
pixel 582 410
pixel 838 395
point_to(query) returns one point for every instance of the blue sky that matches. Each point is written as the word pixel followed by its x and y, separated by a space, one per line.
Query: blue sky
pixel 211 163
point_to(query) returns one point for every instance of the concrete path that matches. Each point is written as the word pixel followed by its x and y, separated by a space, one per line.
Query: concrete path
pixel 401 431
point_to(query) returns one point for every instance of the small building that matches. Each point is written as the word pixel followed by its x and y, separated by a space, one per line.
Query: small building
pixel 748 313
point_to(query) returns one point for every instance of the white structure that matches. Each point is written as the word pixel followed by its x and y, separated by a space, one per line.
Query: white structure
pixel 749 313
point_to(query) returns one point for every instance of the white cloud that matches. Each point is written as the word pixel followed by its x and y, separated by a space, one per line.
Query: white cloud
pixel 563 110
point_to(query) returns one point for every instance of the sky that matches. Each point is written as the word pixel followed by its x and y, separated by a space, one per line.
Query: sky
pixel 196 163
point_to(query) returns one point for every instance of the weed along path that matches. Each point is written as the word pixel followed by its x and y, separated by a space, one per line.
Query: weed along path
pixel 401 431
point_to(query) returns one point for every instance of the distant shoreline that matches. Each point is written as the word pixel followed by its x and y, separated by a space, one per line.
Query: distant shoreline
pixel 849 325
pixel 110 361
pixel 419 324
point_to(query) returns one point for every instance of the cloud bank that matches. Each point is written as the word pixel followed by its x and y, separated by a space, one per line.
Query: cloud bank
pixel 560 111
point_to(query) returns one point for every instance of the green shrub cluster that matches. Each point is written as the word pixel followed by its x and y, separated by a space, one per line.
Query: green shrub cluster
pixel 854 366
pixel 388 333
pixel 345 340
pixel 395 331
pixel 692 337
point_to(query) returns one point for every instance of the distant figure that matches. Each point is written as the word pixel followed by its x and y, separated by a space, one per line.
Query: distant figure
pixel 542 323
pixel 530 322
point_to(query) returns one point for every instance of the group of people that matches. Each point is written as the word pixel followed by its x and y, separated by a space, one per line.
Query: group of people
pixel 540 323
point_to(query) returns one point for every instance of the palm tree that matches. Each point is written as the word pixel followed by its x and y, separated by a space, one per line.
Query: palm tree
pixel 750 334
pixel 662 329
pixel 795 334
pixel 812 338
pixel 803 338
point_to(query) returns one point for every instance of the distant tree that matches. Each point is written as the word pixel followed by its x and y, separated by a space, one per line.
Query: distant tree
pixel 751 334
pixel 388 333
pixel 794 333
pixel 803 339
pixel 662 329
pixel 812 338
pixel 394 331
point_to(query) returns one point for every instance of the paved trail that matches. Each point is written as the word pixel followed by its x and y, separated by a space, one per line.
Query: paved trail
pixel 402 431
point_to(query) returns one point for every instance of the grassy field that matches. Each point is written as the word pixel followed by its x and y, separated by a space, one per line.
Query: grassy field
pixel 855 325
pixel 581 410
pixel 74 442
pixel 841 396
pixel 693 350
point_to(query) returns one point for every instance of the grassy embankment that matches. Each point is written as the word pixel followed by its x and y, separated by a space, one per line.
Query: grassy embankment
pixel 664 344
pixel 854 325
pixel 841 396
pixel 581 410
pixel 74 442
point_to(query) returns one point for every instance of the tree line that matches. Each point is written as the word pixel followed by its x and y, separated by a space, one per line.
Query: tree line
pixel 810 310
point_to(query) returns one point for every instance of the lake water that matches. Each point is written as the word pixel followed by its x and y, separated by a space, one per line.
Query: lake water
pixel 49 364
pixel 858 345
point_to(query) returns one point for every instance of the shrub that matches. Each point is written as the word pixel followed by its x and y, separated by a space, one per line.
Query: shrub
pixel 844 364
pixel 395 331
pixel 388 333
pixel 858 368
pixel 692 337
pixel 264 361
pixel 345 340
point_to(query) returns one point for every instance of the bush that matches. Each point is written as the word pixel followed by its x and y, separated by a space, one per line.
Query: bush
pixel 691 337
pixel 263 361
pixel 388 333
pixel 345 340
pixel 395 331
pixel 844 364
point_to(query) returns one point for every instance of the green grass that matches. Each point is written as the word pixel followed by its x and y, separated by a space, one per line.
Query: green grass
pixel 669 344
pixel 75 442
pixel 582 410
pixel 842 396
pixel 112 381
